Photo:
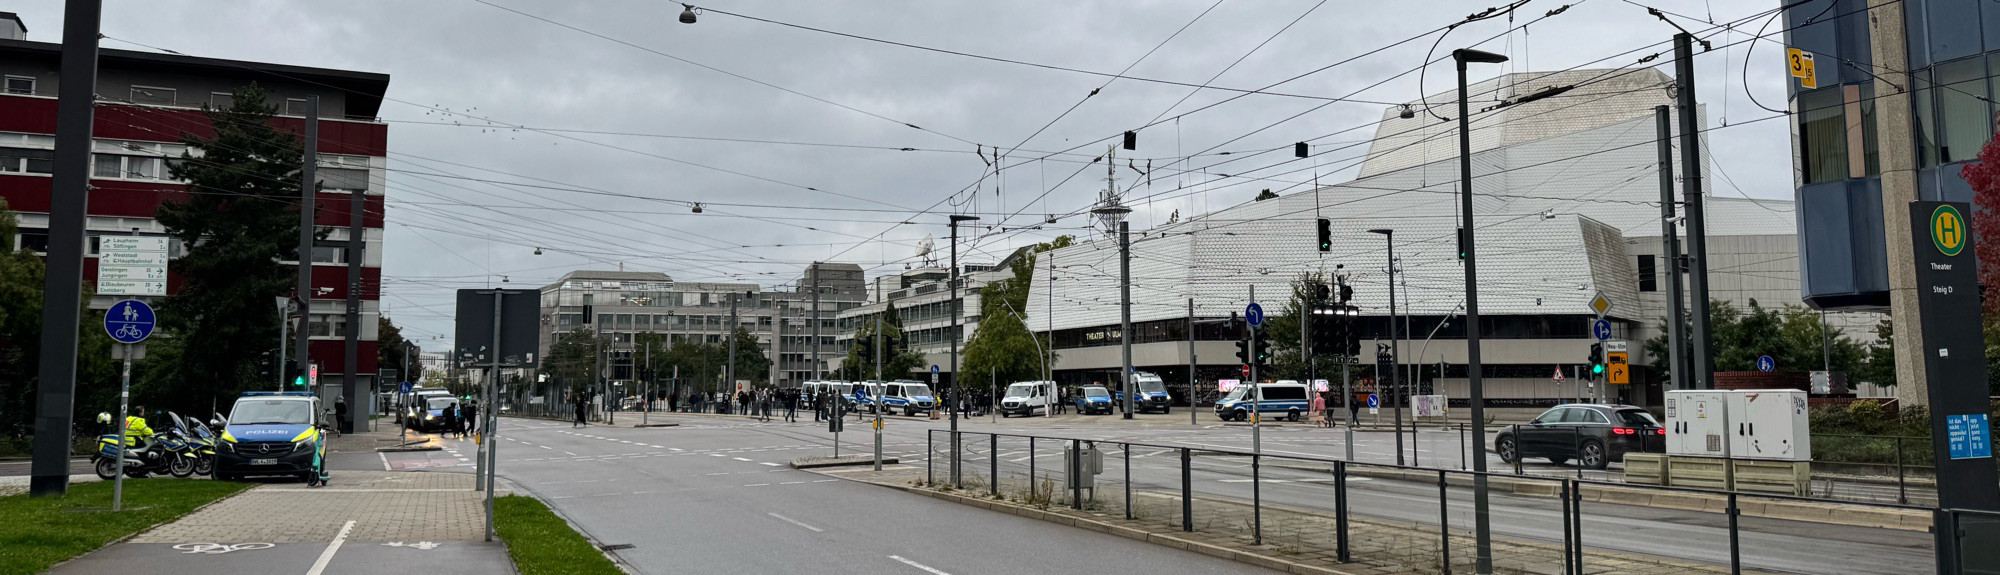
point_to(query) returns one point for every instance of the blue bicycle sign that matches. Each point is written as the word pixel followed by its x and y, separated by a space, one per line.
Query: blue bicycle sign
pixel 129 321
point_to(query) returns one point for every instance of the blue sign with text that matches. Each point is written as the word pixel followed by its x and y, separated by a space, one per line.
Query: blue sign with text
pixel 129 321
pixel 1969 436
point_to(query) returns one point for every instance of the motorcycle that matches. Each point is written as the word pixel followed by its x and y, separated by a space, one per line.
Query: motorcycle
pixel 200 440
pixel 167 455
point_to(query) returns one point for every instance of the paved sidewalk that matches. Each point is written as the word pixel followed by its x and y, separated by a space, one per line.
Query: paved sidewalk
pixel 365 522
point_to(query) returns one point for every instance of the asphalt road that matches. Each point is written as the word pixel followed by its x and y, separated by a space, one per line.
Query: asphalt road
pixel 716 492
pixel 1767 544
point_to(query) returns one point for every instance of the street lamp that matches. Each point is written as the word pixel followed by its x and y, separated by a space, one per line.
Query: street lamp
pixel 687 17
pixel 1482 522
pixel 1397 387
pixel 952 406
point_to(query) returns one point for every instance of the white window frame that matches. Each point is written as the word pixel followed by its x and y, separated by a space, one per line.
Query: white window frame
pixel 288 107
pixel 212 95
pixel 10 78
pixel 174 98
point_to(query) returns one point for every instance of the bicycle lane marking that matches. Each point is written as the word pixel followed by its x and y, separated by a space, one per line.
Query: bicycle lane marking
pixel 331 548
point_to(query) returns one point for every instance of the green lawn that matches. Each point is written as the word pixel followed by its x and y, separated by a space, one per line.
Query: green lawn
pixel 37 533
pixel 542 543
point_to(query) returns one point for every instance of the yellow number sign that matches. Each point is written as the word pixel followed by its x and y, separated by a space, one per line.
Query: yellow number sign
pixel 1800 64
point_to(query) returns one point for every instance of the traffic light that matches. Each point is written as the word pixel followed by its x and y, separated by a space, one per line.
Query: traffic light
pixel 1596 359
pixel 1461 243
pixel 296 376
pixel 1300 150
pixel 1131 140
pixel 1243 351
pixel 1261 347
pixel 1325 235
pixel 864 347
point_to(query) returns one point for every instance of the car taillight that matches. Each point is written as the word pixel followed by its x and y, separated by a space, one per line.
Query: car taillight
pixel 1624 430
pixel 1659 432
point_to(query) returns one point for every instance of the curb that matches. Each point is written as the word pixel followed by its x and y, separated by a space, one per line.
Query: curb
pixel 657 425
pixel 844 461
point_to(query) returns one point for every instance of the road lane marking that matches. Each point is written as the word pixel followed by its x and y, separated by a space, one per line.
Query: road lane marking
pixel 331 548
pixel 741 458
pixel 385 461
pixel 757 485
pixel 796 522
pixel 926 568
pixel 545 447
pixel 767 463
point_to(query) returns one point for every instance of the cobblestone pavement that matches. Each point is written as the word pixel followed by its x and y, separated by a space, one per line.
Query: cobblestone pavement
pixel 384 506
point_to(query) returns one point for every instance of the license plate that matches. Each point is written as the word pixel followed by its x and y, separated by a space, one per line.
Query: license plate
pixel 263 462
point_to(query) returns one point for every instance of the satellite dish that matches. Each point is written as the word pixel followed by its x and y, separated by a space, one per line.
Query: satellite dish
pixel 924 247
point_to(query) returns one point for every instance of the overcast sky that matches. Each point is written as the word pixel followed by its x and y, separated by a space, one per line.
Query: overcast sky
pixel 629 66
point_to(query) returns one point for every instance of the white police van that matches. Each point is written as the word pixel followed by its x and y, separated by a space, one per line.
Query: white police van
pixel 1025 397
pixel 912 397
pixel 1287 397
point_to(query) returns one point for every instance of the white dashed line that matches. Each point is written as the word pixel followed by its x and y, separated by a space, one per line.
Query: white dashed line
pixel 924 567
pixel 767 463
pixel 741 458
pixel 795 522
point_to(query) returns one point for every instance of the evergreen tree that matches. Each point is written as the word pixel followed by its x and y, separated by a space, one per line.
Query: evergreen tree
pixel 239 219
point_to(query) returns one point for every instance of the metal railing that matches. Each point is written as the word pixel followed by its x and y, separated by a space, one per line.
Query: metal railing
pixel 1403 517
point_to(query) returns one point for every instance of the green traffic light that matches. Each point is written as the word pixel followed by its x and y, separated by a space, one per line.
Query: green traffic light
pixel 1596 368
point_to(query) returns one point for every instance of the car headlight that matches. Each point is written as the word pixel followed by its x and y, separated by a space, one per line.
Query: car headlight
pixel 429 417
pixel 298 446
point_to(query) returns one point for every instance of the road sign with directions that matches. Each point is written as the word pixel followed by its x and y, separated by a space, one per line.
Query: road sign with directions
pixel 1617 369
pixel 1601 328
pixel 129 321
pixel 132 265
pixel 1254 314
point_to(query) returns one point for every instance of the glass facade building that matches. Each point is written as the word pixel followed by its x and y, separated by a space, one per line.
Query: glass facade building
pixel 1953 50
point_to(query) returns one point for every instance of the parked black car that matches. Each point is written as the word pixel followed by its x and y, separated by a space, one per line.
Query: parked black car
pixel 1593 434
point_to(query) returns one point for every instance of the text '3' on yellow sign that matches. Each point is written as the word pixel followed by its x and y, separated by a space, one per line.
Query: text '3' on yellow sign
pixel 1949 230
pixel 1800 64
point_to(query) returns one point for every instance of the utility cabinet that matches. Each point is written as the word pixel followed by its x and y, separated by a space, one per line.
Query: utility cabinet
pixel 1697 423
pixel 1769 424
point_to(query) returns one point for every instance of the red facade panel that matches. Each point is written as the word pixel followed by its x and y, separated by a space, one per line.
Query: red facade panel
pixel 332 357
pixel 129 122
pixel 331 276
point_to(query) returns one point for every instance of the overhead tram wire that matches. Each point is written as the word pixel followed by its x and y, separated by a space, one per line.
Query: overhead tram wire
pixel 1121 75
pixel 496 128
pixel 726 72
pixel 521 127
pixel 1239 60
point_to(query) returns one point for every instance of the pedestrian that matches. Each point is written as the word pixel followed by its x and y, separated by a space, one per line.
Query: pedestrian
pixel 340 424
pixel 1319 413
pixel 452 424
pixel 791 406
pixel 1354 407
pixel 581 408
pixel 471 417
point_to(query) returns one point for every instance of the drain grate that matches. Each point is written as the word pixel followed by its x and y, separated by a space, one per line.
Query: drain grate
pixel 616 546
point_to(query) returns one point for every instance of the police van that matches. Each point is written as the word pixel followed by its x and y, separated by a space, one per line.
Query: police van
pixel 1152 394
pixel 912 397
pixel 1025 397
pixel 272 433
pixel 1287 397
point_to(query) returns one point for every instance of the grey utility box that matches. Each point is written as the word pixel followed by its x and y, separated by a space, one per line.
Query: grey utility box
pixel 1087 463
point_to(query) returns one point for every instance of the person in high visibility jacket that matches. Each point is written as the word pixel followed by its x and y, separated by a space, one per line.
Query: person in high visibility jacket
pixel 136 430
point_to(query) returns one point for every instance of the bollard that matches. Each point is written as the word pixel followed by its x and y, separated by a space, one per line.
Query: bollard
pixel 1576 502
pixel 1256 500
pixel 1187 492
pixel 1340 510
pixel 1031 468
pixel 1463 449
pixel 1075 464
pixel 1444 520
pixel 993 453
pixel 930 454
pixel 1735 548
pixel 1902 492
pixel 1127 448
pixel 1569 544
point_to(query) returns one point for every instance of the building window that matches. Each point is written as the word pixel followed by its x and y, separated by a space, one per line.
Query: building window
pixel 1649 273
pixel 27 160
pixel 221 100
pixel 154 95
pixel 128 167
pixel 1962 113
pixel 1922 108
pixel 1822 136
pixel 20 85
pixel 328 325
pixel 329 254
pixel 295 106
pixel 343 179
pixel 34 240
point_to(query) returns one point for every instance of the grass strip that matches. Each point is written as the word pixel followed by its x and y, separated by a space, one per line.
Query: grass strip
pixel 38 532
pixel 542 543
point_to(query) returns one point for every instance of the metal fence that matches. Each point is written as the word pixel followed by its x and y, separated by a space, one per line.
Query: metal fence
pixel 1318 510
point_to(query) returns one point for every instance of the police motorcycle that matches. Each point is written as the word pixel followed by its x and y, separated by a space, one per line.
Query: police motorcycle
pixel 200 439
pixel 163 453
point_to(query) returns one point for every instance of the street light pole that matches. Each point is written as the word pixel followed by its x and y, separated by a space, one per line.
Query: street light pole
pixel 1482 522
pixel 1125 311
pixel 1396 388
pixel 951 399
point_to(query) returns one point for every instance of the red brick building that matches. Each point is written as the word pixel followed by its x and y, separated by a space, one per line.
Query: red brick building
pixel 146 101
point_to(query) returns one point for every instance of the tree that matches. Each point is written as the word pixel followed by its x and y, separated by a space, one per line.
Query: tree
pixel 391 349
pixel 751 363
pixel 572 360
pixel 1003 349
pixel 239 219
pixel 1983 175
pixel 1790 335
pixel 897 360
pixel 21 280
pixel 700 363
pixel 1266 194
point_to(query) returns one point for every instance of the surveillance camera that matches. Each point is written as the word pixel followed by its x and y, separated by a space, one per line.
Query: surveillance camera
pixel 324 290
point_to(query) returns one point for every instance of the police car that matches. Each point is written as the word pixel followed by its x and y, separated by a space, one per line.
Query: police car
pixel 1152 394
pixel 1286 397
pixel 271 433
pixel 1093 399
pixel 910 396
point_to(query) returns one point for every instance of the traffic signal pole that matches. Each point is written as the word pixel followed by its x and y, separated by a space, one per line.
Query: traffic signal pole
pixel 55 393
pixel 1256 391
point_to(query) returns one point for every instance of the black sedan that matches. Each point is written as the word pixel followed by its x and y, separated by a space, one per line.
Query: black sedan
pixel 1593 434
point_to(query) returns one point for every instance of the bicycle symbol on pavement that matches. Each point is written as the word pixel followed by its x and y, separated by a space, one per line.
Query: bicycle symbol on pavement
pixel 219 548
